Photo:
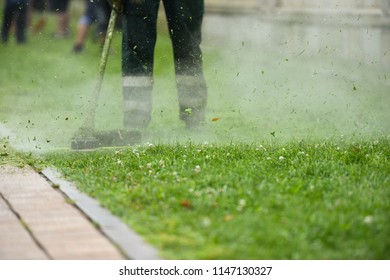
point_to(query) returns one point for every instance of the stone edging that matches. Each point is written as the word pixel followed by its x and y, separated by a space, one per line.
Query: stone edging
pixel 129 242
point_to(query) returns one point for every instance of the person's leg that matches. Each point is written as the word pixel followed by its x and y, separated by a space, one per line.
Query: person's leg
pixel 81 36
pixel 39 7
pixel 84 26
pixel 185 22
pixel 138 42
pixel 103 11
pixel 21 22
pixel 61 8
pixel 7 21
pixel 63 24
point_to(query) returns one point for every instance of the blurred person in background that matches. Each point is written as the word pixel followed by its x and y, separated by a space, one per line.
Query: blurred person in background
pixel 15 11
pixel 61 8
pixel 38 7
pixel 97 11
pixel 139 31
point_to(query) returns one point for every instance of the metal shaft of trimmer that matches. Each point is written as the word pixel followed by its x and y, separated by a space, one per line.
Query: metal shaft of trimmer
pixel 89 121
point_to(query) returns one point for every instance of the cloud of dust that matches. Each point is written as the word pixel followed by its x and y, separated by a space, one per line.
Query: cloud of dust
pixel 267 80
pixel 270 79
pixel 46 119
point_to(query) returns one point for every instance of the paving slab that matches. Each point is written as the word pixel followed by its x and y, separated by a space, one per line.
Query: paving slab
pixel 37 222
pixel 15 240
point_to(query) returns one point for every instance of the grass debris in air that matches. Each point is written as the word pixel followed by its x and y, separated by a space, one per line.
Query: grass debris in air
pixel 256 191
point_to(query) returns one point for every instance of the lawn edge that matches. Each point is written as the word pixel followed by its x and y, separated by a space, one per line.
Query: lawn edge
pixel 129 242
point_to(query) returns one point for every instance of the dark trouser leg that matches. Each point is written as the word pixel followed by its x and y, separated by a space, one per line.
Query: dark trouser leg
pixel 139 39
pixel 21 22
pixel 185 22
pixel 103 11
pixel 7 21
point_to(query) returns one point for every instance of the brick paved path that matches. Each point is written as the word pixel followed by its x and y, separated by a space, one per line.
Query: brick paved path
pixel 36 222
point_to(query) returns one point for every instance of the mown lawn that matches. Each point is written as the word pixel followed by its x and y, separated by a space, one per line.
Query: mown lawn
pixel 300 200
pixel 292 162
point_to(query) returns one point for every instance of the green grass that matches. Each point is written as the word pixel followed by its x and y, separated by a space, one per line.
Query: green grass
pixel 295 167
pixel 295 201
